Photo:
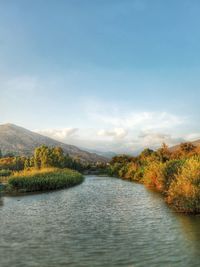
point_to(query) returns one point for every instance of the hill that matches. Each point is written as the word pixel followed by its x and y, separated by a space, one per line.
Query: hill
pixel 21 141
pixel 105 154
pixel 195 143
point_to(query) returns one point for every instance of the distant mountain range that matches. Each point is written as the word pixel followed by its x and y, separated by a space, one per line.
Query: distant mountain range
pixel 106 154
pixel 21 141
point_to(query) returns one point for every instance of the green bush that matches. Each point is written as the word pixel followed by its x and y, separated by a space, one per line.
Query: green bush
pixel 123 171
pixel 139 174
pixel 44 180
pixel 114 169
pixel 184 191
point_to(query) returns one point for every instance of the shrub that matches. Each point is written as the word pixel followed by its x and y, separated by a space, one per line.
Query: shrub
pixel 139 174
pixel 134 172
pixel 5 173
pixel 122 172
pixel 12 163
pixel 163 153
pixel 131 170
pixel 114 169
pixel 170 171
pixel 184 191
pixel 154 175
pixel 176 173
pixel 43 180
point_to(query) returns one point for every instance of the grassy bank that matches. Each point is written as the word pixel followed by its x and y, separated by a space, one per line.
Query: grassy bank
pixel 5 173
pixel 42 180
pixel 176 175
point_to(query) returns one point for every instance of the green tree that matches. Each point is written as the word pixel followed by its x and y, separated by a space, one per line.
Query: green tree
pixel 147 152
pixel 57 156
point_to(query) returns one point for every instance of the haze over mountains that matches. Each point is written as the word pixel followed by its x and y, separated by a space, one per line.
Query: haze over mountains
pixel 21 141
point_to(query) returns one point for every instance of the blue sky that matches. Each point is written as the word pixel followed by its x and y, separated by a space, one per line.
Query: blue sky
pixel 104 74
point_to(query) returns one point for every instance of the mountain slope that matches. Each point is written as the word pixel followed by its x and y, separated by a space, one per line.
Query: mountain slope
pixel 195 143
pixel 105 154
pixel 22 142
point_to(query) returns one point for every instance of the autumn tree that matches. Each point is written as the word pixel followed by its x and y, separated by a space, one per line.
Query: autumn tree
pixel 164 153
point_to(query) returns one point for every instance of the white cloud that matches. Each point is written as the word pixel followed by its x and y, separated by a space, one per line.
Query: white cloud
pixel 122 132
pixel 117 139
pixel 118 133
pixel 144 120
pixel 60 134
pixel 155 139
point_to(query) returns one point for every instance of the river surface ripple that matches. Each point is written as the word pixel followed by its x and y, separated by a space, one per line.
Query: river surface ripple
pixel 102 222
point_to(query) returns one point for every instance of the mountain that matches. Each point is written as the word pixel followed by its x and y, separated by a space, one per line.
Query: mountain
pixel 105 154
pixel 21 141
pixel 195 143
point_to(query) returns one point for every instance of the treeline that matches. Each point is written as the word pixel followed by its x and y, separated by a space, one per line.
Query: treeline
pixel 43 157
pixel 176 174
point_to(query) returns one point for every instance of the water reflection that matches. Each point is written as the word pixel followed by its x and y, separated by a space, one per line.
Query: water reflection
pixel 1 201
pixel 190 226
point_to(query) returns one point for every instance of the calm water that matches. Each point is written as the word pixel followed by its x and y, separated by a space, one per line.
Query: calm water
pixel 103 222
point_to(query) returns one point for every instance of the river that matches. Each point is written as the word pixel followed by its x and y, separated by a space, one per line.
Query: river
pixel 102 222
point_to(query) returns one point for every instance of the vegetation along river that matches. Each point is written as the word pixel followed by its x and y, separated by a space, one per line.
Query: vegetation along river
pixel 102 222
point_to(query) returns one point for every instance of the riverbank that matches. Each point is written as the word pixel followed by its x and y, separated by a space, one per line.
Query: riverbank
pixel 41 180
pixel 175 176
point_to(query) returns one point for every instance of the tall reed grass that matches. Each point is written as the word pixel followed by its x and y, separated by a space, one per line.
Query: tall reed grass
pixel 43 180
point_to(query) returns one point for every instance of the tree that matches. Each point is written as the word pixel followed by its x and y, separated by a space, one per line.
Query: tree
pixel 42 157
pixel 147 152
pixel 58 159
pixel 164 153
pixel 53 157
pixel 19 163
